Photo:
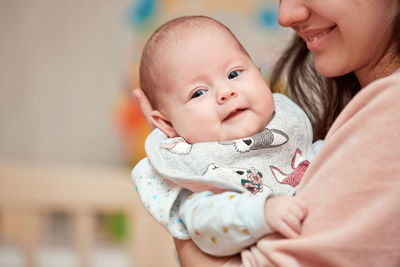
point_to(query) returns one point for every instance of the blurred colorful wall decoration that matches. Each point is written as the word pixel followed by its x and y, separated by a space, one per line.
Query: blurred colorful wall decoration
pixel 254 22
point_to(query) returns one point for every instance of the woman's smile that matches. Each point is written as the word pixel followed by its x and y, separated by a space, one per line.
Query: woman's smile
pixel 316 38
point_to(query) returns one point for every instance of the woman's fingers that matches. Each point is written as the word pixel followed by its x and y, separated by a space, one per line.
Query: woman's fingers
pixel 144 104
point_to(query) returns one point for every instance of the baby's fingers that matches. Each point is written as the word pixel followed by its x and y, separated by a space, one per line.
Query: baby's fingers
pixel 293 222
pixel 299 210
pixel 287 230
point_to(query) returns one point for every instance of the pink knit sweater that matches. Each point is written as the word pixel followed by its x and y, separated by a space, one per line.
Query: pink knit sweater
pixel 352 190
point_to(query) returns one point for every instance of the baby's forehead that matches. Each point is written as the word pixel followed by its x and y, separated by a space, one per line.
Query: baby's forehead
pixel 195 39
pixel 172 42
pixel 181 50
pixel 181 34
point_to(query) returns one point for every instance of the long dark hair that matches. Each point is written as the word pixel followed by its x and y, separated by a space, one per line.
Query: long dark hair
pixel 321 98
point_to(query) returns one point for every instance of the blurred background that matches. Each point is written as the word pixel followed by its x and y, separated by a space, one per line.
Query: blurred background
pixel 70 132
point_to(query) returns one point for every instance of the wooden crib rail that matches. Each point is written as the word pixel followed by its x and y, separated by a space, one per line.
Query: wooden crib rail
pixel 30 191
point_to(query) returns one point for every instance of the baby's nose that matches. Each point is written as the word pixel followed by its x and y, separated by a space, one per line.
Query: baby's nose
pixel 225 95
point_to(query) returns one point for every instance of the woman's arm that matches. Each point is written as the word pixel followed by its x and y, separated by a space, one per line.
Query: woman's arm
pixel 191 256
pixel 352 190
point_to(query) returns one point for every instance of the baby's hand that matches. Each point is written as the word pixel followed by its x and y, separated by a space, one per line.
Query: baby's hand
pixel 284 214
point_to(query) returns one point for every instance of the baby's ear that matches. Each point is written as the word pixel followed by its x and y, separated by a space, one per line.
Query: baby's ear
pixel 162 123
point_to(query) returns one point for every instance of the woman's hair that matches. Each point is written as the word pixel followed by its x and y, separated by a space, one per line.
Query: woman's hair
pixel 321 98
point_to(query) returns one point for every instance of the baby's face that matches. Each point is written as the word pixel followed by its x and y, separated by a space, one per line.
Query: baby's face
pixel 214 92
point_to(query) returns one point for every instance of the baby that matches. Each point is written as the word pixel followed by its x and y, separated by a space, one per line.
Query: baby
pixel 222 135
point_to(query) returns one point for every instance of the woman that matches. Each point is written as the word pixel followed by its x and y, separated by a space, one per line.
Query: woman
pixel 345 59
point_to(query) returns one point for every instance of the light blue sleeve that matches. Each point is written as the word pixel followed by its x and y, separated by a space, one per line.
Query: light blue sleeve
pixel 160 197
pixel 224 224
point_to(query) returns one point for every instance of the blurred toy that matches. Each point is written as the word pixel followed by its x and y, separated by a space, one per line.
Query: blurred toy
pixel 130 123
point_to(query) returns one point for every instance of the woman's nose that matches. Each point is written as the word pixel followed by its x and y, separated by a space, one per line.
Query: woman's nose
pixel 224 95
pixel 292 12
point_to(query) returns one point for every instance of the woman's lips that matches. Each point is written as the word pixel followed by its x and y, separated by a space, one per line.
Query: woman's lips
pixel 315 38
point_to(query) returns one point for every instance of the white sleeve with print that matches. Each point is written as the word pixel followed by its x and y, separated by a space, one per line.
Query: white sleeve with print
pixel 226 223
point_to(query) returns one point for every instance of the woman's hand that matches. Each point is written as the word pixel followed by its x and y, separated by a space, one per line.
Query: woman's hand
pixel 144 104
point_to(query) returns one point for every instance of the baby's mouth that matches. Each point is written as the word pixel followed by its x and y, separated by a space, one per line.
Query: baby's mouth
pixel 234 114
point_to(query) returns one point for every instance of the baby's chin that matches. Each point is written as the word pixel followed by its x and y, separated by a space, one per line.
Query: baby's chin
pixel 226 134
pixel 243 133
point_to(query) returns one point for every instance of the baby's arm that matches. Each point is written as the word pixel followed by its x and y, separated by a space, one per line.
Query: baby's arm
pixel 220 224
pixel 226 223
pixel 160 197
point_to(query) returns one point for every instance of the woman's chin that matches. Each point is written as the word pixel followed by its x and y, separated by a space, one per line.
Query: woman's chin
pixel 330 69
pixel 328 72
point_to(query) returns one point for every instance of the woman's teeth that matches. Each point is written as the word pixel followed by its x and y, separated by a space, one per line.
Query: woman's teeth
pixel 319 35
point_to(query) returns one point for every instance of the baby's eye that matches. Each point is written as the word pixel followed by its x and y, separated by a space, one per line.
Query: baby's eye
pixel 198 93
pixel 233 74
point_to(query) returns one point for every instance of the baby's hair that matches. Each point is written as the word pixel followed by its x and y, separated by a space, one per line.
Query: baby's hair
pixel 172 31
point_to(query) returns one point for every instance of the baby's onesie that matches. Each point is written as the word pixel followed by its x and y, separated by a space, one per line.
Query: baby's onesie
pixel 245 172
